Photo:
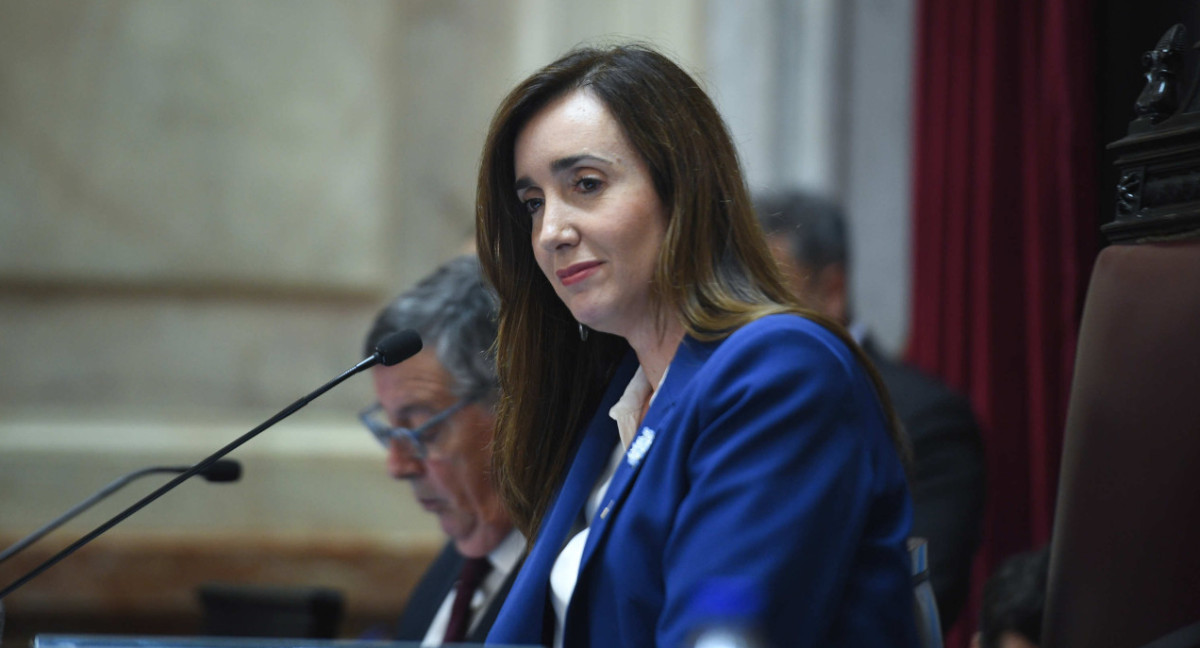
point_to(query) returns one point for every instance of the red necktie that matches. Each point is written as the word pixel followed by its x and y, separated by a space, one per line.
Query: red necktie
pixel 473 572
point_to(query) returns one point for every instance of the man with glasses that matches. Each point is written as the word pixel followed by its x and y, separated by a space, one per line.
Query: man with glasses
pixel 435 416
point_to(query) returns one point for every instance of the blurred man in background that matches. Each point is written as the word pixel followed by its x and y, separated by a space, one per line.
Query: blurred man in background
pixel 435 417
pixel 807 236
pixel 1014 600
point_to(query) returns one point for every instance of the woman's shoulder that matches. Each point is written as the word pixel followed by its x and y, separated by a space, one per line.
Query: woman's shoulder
pixel 788 331
pixel 775 347
pixel 794 322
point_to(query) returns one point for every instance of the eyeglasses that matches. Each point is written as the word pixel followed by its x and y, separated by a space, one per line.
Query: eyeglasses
pixel 418 439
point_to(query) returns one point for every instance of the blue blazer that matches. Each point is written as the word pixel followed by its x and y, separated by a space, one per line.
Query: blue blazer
pixel 764 467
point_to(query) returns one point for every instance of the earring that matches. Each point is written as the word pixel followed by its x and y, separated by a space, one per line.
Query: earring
pixel 583 332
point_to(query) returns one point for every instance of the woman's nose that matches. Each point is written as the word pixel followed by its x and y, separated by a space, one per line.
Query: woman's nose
pixel 557 226
pixel 402 463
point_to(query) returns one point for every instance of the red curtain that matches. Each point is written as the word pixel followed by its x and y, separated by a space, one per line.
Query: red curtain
pixel 1004 235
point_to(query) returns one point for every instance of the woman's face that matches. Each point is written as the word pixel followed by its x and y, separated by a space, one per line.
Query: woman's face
pixel 596 219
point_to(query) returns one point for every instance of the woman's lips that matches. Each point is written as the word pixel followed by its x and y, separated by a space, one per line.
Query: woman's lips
pixel 578 272
pixel 430 504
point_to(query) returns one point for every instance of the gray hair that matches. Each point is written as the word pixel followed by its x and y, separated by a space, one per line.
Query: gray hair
pixel 815 227
pixel 454 312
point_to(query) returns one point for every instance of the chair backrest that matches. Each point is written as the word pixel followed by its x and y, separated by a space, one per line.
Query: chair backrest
pixel 1125 552
pixel 929 624
pixel 230 610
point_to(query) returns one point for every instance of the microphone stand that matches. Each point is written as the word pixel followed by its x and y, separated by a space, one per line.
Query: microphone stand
pixel 118 483
pixel 203 464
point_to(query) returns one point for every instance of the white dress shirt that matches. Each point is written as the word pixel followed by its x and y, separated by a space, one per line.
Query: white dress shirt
pixel 504 559
pixel 627 412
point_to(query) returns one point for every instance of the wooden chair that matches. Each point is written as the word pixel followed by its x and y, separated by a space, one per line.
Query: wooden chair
pixel 269 611
pixel 1125 552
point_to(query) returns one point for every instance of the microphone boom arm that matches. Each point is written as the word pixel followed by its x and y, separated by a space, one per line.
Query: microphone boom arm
pixel 202 465
pixel 80 508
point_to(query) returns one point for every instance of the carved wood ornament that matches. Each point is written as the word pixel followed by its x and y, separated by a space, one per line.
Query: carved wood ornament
pixel 1158 193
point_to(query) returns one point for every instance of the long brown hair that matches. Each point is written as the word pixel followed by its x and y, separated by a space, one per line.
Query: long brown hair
pixel 714 270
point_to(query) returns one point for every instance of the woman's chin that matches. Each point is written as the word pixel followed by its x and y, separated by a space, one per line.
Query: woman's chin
pixel 587 317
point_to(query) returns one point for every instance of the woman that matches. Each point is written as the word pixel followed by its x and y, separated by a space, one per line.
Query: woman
pixel 674 423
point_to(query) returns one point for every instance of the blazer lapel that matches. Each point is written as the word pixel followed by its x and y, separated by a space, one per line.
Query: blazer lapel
pixel 484 625
pixel 527 603
pixel 688 359
pixel 425 600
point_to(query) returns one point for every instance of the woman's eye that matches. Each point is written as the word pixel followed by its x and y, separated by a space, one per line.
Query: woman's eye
pixel 588 185
pixel 532 205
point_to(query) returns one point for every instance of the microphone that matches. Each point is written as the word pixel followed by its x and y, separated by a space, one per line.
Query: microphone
pixel 225 470
pixel 220 472
pixel 393 349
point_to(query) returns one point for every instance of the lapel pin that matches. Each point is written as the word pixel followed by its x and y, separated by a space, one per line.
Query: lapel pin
pixel 640 446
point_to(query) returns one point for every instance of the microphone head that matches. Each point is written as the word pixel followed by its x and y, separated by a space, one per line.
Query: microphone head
pixel 398 347
pixel 223 470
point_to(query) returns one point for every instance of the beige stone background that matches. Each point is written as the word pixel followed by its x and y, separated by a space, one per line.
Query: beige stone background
pixel 202 205
pixel 204 202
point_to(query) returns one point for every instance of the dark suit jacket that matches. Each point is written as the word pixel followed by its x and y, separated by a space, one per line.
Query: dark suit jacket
pixel 947 477
pixel 428 595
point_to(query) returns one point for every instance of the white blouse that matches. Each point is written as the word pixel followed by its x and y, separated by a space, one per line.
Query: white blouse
pixel 627 412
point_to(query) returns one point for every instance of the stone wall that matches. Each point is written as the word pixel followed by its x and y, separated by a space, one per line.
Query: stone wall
pixel 202 205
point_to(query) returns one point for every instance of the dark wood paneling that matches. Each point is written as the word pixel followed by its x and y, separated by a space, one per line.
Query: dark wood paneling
pixel 148 585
